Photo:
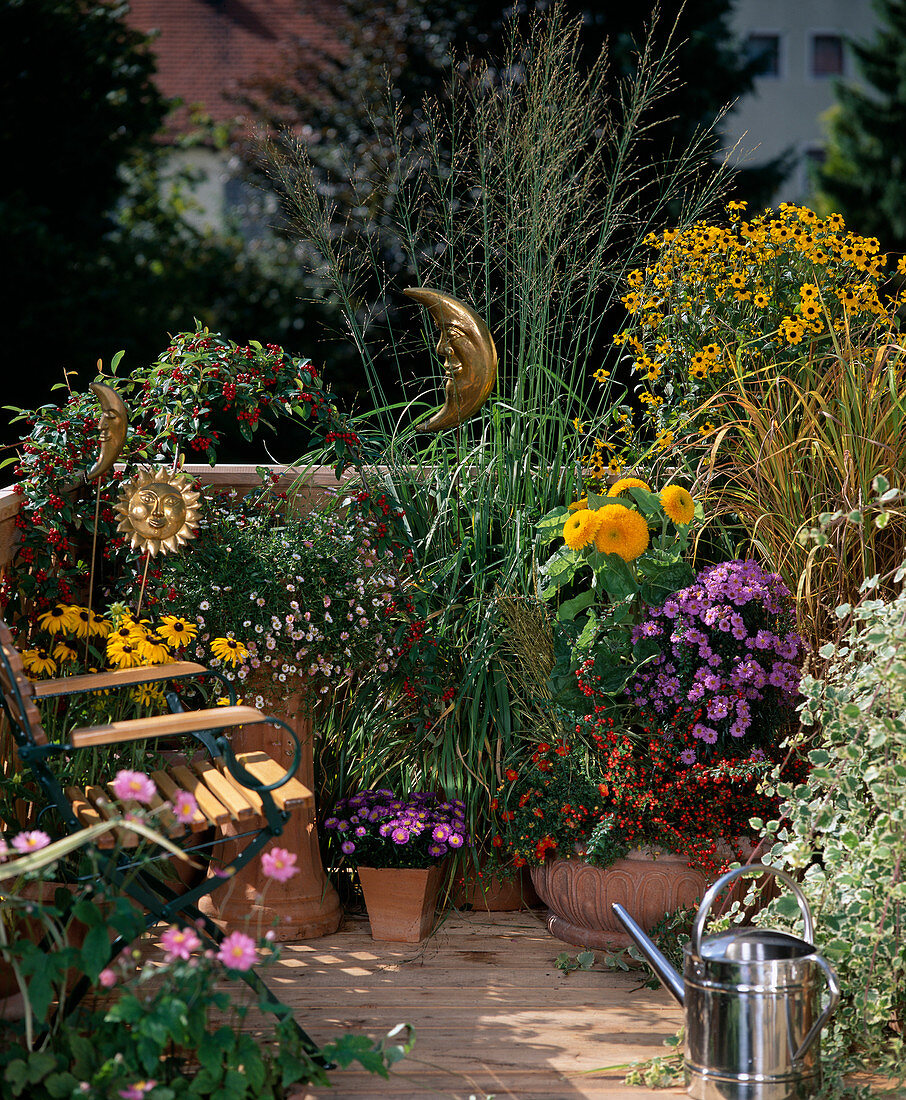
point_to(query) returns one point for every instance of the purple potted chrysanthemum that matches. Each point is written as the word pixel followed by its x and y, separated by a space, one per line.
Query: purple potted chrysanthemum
pixel 398 845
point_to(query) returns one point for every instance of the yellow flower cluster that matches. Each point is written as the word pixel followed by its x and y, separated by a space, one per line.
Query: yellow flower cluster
pixel 616 529
pixel 770 288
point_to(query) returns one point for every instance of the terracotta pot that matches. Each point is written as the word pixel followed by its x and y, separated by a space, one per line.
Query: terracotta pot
pixel 401 901
pixel 647 882
pixel 493 894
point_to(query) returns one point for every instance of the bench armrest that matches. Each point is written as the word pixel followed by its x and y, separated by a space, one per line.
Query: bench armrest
pixel 118 678
pixel 165 725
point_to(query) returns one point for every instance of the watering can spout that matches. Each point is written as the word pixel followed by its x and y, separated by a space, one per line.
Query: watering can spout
pixel 668 976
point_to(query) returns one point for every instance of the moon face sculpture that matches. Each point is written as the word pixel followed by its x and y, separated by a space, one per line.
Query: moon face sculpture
pixel 469 357
pixel 114 421
pixel 159 511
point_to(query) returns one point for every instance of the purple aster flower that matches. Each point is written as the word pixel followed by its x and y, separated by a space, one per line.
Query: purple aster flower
pixel 347 847
pixel 400 835
pixel 718 707
pixel 688 756
pixel 440 833
pixel 437 850
pixel 455 840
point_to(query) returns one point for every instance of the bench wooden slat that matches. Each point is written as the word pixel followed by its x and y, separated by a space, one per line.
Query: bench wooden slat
pixel 254 799
pixel 169 788
pixel 209 805
pixel 266 770
pixel 165 725
pixel 97 796
pixel 234 798
pixel 121 677
pixel 87 815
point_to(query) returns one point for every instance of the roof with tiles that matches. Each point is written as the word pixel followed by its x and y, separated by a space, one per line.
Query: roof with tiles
pixel 207 49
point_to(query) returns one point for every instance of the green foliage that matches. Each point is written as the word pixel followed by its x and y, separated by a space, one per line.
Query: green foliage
pixel 203 390
pixel 844 833
pixel 585 960
pixel 863 175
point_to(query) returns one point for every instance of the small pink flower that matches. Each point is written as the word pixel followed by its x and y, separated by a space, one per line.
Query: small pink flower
pixel 279 864
pixel 185 807
pixel 138 1090
pixel 179 943
pixel 107 978
pixel 31 842
pixel 134 787
pixel 238 952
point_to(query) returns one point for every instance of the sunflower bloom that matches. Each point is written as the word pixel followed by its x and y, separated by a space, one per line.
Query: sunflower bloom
pixel 579 530
pixel 55 620
pixel 176 631
pixel 678 504
pixel 621 531
pixel 229 650
pixel 627 483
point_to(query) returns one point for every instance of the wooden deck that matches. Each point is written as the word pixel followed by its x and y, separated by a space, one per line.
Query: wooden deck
pixel 493 1016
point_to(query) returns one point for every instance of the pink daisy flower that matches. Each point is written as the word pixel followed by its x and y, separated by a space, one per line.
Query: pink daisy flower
pixel 107 978
pixel 185 807
pixel 179 943
pixel 279 864
pixel 238 952
pixel 134 786
pixel 138 1090
pixel 31 842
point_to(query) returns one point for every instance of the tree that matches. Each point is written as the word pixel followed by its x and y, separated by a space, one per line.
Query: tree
pixel 98 254
pixel 864 175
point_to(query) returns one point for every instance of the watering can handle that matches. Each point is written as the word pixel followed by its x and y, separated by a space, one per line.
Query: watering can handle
pixel 737 872
pixel 833 985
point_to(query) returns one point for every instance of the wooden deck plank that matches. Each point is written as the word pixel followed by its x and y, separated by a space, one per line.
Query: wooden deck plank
pixel 492 1014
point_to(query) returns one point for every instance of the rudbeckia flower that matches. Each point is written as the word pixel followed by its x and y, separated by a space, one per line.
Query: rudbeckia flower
pixel 229 650
pixel 176 631
pixel 55 620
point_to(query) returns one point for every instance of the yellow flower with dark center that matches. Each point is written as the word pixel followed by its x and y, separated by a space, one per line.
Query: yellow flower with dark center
pixel 154 650
pixel 55 620
pixel 579 529
pixel 627 483
pixel 229 650
pixel 621 531
pixel 761 300
pixel 123 653
pixel 808 292
pixel 39 662
pixel 176 631
pixel 148 695
pixel 677 502
pixel 84 623
pixel 810 310
pixel 64 652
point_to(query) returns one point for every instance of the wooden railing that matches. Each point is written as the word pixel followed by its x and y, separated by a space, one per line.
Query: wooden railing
pixel 306 485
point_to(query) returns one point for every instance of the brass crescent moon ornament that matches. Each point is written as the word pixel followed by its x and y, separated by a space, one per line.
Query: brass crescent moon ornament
pixel 114 421
pixel 469 357
pixel 159 511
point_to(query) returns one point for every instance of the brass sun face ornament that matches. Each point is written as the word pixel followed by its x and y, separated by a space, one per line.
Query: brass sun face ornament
pixel 159 511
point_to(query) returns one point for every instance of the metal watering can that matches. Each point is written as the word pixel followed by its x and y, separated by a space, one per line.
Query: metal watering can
pixel 750 997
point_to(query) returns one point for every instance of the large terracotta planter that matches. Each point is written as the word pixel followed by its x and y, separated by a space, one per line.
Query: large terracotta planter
pixel 579 896
pixel 401 901
pixel 305 906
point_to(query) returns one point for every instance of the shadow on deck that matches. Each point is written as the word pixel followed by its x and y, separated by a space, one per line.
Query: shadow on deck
pixel 492 1014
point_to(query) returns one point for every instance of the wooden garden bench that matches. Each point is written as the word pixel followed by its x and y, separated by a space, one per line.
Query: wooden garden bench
pixel 249 791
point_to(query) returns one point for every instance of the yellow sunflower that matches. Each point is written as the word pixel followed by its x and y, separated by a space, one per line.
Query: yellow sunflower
pixel 579 530
pixel 176 631
pixel 55 620
pixel 621 531
pixel 578 505
pixel 678 504
pixel 229 650
pixel 83 622
pixel 627 483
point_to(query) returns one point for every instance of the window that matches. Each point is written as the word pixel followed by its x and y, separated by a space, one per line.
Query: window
pixel 827 55
pixel 764 50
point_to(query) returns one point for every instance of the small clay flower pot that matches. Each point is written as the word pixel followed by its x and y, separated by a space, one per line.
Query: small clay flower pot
pixel 401 901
